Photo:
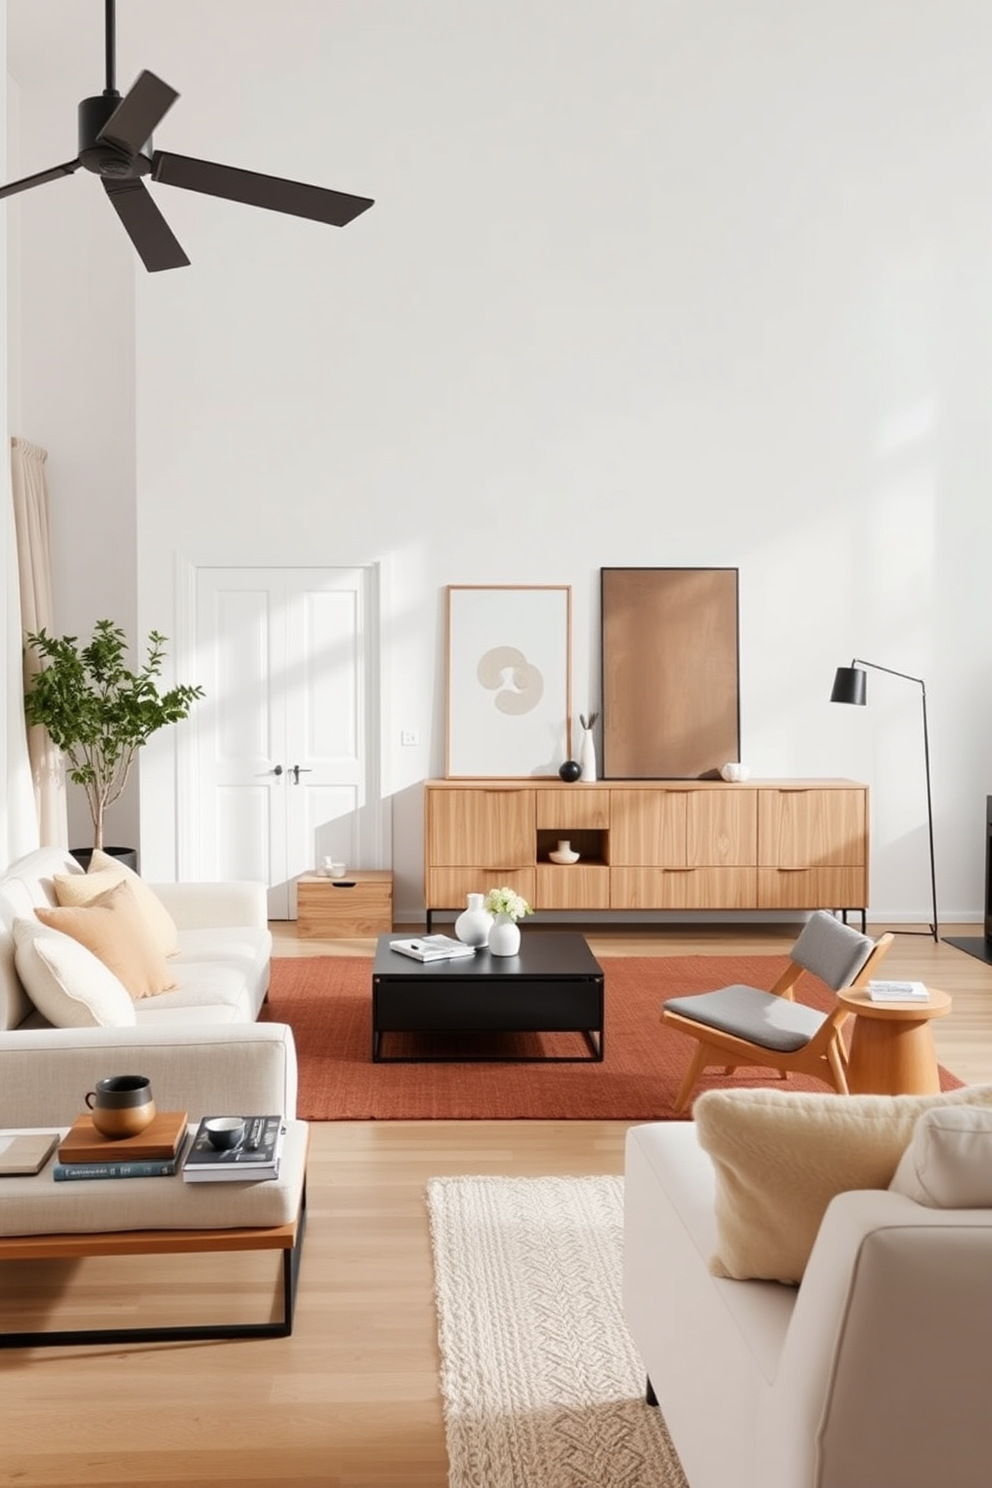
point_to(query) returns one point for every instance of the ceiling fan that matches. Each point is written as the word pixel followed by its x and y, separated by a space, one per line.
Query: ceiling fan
pixel 115 143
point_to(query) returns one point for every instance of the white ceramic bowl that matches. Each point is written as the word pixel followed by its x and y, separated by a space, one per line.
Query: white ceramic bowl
pixel 735 771
pixel 224 1132
pixel 563 857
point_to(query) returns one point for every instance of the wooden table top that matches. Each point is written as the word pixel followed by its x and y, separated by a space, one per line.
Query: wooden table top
pixel 860 1001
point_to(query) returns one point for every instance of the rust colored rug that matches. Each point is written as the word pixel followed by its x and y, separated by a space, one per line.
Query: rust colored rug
pixel 327 1001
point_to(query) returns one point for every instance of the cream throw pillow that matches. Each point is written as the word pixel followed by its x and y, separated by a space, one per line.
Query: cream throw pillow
pixel 948 1164
pixel 112 928
pixel 68 984
pixel 75 889
pixel 781 1156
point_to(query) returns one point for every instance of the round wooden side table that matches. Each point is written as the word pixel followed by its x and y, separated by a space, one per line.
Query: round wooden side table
pixel 892 1050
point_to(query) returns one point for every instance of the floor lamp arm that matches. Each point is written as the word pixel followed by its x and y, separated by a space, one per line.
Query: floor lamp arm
pixel 906 676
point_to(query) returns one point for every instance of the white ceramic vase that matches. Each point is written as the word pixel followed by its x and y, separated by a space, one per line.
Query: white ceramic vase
pixel 504 937
pixel 473 924
pixel 587 755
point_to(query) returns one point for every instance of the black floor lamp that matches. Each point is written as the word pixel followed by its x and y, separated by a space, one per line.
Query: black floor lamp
pixel 850 686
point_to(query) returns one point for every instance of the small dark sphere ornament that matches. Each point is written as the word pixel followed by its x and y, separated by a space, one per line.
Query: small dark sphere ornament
pixel 570 770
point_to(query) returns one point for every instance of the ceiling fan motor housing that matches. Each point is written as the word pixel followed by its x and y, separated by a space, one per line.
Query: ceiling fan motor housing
pixel 100 156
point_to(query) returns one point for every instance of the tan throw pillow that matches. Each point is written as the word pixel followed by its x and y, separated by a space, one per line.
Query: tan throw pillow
pixel 781 1156
pixel 113 929
pixel 948 1164
pixel 73 889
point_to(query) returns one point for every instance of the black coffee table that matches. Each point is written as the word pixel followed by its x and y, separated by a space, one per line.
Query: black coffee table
pixel 554 985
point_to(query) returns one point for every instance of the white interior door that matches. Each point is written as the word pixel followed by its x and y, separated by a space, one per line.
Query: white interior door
pixel 286 736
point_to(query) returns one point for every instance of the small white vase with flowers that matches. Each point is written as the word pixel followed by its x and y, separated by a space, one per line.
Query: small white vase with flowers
pixel 507 907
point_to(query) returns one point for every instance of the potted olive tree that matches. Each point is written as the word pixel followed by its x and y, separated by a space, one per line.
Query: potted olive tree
pixel 97 711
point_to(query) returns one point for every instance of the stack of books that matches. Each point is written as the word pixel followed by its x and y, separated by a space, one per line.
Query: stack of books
pixel 156 1152
pixel 255 1159
pixel 898 992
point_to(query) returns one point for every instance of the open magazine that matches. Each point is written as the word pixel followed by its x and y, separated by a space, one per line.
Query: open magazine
pixel 432 947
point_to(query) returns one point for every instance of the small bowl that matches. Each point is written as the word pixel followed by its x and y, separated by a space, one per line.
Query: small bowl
pixel 735 772
pixel 224 1132
pixel 563 857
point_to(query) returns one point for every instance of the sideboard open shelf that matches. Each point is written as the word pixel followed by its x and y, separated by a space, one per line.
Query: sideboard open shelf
pixel 650 845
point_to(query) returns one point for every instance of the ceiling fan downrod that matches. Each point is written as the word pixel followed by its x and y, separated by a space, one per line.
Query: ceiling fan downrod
pixel 110 32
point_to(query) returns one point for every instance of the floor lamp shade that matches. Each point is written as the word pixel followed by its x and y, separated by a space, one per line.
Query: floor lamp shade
pixel 850 686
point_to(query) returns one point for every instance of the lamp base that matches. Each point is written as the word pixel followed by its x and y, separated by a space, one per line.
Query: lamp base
pixel 974 945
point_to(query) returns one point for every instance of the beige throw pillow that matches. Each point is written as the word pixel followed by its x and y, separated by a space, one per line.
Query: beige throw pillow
pixel 781 1156
pixel 948 1164
pixel 68 984
pixel 75 889
pixel 113 929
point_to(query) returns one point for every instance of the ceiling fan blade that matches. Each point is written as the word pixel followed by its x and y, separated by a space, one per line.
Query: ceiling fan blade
pixel 157 245
pixel 139 112
pixel 272 192
pixel 26 182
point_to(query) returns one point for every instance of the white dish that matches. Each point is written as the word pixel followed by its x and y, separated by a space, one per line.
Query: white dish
pixel 735 772
pixel 564 857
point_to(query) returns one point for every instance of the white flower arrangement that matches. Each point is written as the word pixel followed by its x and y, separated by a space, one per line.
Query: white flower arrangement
pixel 506 901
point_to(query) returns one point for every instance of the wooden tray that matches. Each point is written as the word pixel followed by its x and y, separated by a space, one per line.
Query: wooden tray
pixel 83 1143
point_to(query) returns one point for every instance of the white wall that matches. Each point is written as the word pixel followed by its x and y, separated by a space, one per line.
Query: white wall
pixel 645 284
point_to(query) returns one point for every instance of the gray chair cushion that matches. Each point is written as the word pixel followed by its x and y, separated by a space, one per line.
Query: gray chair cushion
pixel 760 1017
pixel 831 950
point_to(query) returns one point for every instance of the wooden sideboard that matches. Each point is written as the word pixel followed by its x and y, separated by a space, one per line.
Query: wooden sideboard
pixel 649 844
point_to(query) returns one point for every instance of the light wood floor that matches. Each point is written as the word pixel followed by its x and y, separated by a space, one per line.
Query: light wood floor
pixel 351 1398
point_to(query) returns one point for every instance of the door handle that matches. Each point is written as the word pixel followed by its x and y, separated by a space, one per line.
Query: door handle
pixel 277 770
pixel 297 770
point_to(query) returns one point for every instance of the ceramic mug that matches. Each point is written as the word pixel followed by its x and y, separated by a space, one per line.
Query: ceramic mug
pixel 121 1105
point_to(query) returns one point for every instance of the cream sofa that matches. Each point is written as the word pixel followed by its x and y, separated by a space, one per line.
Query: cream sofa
pixel 871 1373
pixel 224 949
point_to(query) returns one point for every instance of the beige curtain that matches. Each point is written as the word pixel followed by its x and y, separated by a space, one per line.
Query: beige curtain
pixel 34 570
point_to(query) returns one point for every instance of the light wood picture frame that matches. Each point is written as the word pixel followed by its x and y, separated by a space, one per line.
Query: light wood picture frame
pixel 671 684
pixel 509 682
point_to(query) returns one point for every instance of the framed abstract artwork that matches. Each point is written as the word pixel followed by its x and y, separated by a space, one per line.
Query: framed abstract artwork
pixel 509 686
pixel 671 692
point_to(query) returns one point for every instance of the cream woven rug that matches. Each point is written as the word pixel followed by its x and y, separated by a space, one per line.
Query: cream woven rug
pixel 542 1386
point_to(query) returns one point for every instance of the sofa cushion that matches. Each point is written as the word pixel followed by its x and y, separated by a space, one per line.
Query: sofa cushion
pixel 112 927
pixel 781 1156
pixel 68 985
pixel 761 1017
pixel 77 889
pixel 210 991
pixel 948 1163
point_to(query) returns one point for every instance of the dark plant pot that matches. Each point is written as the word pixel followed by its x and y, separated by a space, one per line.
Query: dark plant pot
pixel 127 855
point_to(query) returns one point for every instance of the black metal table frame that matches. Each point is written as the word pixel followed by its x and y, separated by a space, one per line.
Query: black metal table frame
pixel 594 1040
pixel 275 1328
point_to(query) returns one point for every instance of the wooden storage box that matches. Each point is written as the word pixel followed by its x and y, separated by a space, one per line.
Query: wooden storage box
pixel 360 904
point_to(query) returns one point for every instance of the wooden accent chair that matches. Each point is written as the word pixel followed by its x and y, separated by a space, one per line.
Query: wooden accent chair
pixel 742 1025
